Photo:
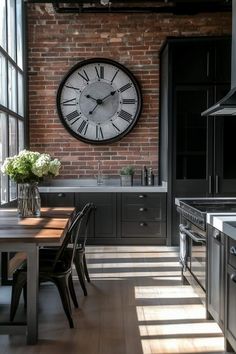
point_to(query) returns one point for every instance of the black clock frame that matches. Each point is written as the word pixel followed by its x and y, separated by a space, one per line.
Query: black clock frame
pixel 132 78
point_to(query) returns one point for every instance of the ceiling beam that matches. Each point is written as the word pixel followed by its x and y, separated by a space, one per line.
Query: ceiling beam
pixel 139 6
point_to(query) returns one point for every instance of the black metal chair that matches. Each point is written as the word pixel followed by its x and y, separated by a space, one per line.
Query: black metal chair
pixel 79 257
pixel 57 269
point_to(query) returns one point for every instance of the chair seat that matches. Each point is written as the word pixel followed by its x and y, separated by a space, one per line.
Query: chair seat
pixel 47 266
pixel 48 253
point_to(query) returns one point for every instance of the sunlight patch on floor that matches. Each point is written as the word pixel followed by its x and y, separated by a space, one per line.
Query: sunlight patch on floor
pixel 142 265
pixel 170 312
pixel 162 292
pixel 129 255
pixel 182 345
pixel 204 328
pixel 155 275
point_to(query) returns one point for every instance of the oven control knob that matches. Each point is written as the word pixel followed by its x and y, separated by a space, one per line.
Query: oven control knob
pixel 216 235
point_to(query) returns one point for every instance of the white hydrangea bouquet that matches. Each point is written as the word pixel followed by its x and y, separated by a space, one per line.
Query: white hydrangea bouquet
pixel 30 167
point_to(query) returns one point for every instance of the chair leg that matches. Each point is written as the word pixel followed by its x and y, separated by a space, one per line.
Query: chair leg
pixel 80 271
pixel 86 268
pixel 72 291
pixel 62 285
pixel 18 282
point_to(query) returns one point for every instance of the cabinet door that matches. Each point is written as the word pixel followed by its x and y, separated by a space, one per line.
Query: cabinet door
pixel 230 325
pixel 215 276
pixel 225 147
pixel 193 62
pixel 190 145
pixel 223 60
pixel 104 223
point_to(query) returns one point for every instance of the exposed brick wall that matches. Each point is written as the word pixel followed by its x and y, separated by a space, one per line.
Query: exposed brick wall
pixel 56 42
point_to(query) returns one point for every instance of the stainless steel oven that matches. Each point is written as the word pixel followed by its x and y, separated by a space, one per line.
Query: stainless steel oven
pixel 193 237
pixel 193 251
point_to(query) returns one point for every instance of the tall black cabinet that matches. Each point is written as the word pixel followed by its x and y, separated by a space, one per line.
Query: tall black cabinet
pixel 196 153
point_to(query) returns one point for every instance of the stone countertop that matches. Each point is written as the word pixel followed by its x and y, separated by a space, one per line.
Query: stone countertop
pixel 225 222
pixel 90 185
pixel 177 200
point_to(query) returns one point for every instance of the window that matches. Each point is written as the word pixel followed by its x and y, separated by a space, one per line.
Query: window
pixel 3 81
pixel 12 93
pixel 3 24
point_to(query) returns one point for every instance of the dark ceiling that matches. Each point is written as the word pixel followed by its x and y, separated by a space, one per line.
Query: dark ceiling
pixel 138 6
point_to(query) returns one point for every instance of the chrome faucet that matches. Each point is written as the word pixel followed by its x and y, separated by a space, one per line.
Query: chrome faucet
pixel 99 175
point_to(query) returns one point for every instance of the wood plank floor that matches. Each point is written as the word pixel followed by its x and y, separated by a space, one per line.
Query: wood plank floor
pixel 136 304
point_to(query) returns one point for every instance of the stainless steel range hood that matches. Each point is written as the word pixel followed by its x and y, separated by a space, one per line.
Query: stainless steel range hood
pixel 227 105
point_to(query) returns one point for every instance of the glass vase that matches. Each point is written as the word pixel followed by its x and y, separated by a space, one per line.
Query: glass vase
pixel 29 202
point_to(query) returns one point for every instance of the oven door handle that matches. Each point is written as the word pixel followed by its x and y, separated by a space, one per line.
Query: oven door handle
pixel 195 238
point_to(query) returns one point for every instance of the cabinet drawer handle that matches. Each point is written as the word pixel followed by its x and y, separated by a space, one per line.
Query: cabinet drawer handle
pixel 141 196
pixel 233 250
pixel 60 195
pixel 142 224
pixel 142 209
pixel 233 277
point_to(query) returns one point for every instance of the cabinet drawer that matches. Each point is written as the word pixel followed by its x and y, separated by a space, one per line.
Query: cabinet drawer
pixel 143 206
pixel 143 229
pixel 232 252
pixel 137 212
pixel 60 199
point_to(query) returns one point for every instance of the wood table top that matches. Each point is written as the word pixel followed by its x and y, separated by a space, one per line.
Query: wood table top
pixel 50 227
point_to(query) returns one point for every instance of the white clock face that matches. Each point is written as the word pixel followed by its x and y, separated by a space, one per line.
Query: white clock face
pixel 99 101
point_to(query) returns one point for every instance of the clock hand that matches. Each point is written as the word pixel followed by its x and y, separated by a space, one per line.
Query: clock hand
pixel 89 96
pixel 110 94
pixel 91 112
pixel 100 100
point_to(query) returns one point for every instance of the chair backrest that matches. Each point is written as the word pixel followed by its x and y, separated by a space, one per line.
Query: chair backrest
pixel 73 231
pixel 84 228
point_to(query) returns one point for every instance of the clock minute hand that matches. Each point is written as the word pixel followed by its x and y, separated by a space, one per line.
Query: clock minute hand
pixel 110 94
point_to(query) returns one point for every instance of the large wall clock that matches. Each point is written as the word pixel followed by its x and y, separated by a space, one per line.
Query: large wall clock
pixel 99 101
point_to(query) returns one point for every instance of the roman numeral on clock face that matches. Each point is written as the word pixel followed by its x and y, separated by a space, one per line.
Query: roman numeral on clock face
pixel 100 72
pixel 83 127
pixel 116 127
pixel 72 115
pixel 69 102
pixel 85 76
pixel 125 115
pixel 72 87
pixel 125 87
pixel 99 132
pixel 114 76
pixel 128 101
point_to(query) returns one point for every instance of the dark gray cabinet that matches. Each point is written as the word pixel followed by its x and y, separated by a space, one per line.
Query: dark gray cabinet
pixel 194 150
pixel 230 296
pixel 143 215
pixel 103 224
pixel 215 275
pixel 119 218
pixel 221 284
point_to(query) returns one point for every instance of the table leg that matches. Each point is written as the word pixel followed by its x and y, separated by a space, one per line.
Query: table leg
pixel 32 294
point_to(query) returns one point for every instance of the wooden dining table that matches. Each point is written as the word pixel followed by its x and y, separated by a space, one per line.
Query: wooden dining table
pixel 28 235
